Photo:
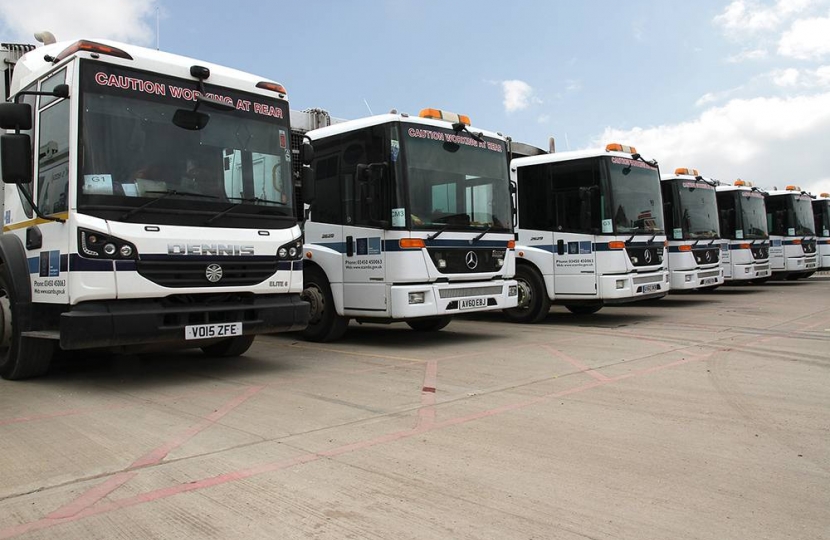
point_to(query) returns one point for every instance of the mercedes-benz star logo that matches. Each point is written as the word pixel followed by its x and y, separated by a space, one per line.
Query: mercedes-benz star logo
pixel 471 259
pixel 708 256
pixel 647 256
pixel 213 273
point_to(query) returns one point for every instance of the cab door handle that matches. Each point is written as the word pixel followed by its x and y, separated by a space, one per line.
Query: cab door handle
pixel 349 246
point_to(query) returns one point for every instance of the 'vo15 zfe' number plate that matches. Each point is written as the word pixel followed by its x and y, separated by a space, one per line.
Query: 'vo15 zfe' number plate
pixel 472 303
pixel 207 331
pixel 651 288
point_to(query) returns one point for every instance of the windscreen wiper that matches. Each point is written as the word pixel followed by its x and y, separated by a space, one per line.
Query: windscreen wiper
pixel 652 163
pixel 485 231
pixel 438 232
pixel 164 194
pixel 238 204
pixel 461 126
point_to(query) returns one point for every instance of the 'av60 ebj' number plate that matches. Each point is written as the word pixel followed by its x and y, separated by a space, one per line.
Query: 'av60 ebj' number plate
pixel 472 303
pixel 207 331
pixel 651 288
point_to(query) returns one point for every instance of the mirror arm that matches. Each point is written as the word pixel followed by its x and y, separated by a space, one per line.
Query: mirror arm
pixel 41 215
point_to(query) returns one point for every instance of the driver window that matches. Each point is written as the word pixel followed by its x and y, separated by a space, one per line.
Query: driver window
pixel 53 159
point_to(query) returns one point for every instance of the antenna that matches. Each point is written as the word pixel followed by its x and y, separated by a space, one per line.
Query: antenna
pixel 368 107
pixel 157 29
pixel 567 142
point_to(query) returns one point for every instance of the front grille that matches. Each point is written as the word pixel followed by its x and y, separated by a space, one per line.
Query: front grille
pixel 179 273
pixel 760 252
pixel 708 274
pixel 761 267
pixel 707 256
pixel 456 260
pixel 647 279
pixel 469 291
pixel 645 256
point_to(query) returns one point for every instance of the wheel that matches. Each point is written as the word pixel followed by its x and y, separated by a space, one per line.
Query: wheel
pixel 20 357
pixel 534 303
pixel 429 324
pixel 324 323
pixel 235 346
pixel 760 281
pixel 808 274
pixel 584 309
pixel 710 288
pixel 793 277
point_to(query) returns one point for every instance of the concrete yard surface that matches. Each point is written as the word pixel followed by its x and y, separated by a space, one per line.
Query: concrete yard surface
pixel 697 416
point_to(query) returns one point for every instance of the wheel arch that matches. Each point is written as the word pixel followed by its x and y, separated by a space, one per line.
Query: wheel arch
pixel 13 256
pixel 336 288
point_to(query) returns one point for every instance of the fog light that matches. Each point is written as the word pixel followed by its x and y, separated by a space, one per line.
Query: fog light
pixel 621 284
pixel 499 262
pixel 634 260
pixel 746 270
pixel 688 279
pixel 109 249
pixel 442 263
pixel 126 251
pixel 513 290
pixel 416 298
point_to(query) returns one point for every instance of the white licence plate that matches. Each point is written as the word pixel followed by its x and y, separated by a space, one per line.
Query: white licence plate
pixel 471 303
pixel 651 288
pixel 708 281
pixel 207 331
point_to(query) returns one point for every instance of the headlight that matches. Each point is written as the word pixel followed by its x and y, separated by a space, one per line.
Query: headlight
pixel 292 251
pixel 95 245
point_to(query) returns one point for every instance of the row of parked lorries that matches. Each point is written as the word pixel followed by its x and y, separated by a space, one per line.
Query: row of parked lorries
pixel 155 201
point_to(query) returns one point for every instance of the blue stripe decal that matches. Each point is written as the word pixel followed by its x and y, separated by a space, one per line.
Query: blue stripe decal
pixel 81 264
pixel 339 247
pixel 34 264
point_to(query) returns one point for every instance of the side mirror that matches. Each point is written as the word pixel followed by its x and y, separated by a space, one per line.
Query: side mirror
pixel 16 154
pixel 306 153
pixel 190 120
pixel 61 91
pixel 16 116
pixel 308 190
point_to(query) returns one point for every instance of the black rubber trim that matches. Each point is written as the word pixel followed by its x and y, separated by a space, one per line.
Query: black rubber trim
pixel 13 256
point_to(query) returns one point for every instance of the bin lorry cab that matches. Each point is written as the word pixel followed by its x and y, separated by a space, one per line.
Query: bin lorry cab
pixel 821 213
pixel 690 211
pixel 147 202
pixel 743 229
pixel 409 219
pixel 590 231
pixel 792 235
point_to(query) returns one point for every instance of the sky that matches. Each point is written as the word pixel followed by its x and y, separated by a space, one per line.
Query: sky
pixel 735 89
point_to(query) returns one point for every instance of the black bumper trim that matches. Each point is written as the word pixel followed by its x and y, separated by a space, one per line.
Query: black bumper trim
pixel 111 323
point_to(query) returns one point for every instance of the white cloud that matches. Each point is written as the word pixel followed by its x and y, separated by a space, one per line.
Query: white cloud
pixel 766 140
pixel 806 39
pixel 743 17
pixel 573 85
pixel 712 97
pixel 518 95
pixel 122 20
pixel 785 77
pixel 747 54
pixel 543 119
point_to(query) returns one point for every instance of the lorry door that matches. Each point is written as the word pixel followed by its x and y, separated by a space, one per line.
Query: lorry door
pixel 574 264
pixel 366 192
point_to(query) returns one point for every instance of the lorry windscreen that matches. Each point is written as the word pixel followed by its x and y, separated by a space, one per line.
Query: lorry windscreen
pixel 803 212
pixel 821 211
pixel 698 210
pixel 137 165
pixel 636 205
pixel 455 181
pixel 753 216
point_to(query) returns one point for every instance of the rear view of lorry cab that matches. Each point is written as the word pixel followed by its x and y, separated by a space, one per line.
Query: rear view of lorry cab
pixel 821 213
pixel 590 231
pixel 792 235
pixel 743 229
pixel 409 220
pixel 690 211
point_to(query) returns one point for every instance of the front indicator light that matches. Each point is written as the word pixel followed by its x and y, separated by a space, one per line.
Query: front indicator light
pixel 416 298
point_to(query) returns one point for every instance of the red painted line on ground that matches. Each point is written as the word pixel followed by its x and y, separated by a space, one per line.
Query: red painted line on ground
pixel 426 414
pixel 576 363
pixel 92 496
pixel 95 494
pixel 170 491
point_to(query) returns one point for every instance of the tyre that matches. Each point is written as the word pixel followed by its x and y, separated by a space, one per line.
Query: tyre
pixel 793 277
pixel 584 309
pixel 324 323
pixel 235 346
pixel 429 324
pixel 759 281
pixel 710 288
pixel 534 303
pixel 808 274
pixel 20 357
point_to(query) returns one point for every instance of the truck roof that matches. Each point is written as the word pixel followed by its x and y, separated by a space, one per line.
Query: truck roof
pixel 566 156
pixel 351 125
pixel 33 64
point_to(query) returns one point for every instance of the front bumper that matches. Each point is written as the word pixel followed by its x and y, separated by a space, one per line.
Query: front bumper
pixel 110 323
pixel 687 280
pixel 615 289
pixel 744 272
pixel 452 298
